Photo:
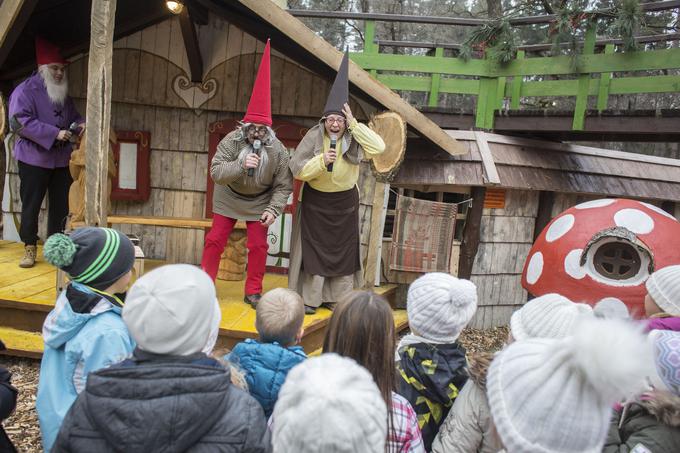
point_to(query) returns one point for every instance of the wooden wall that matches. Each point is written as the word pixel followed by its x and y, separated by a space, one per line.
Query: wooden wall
pixel 152 92
pixel 506 236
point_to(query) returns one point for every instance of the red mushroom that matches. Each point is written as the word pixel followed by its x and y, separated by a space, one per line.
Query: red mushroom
pixel 602 249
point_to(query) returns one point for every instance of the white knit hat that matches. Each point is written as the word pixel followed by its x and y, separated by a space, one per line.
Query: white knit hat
pixel 329 404
pixel 547 316
pixel 440 305
pixel 556 395
pixel 664 287
pixel 173 310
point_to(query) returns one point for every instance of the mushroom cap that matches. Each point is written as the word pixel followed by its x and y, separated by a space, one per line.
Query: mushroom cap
pixel 557 263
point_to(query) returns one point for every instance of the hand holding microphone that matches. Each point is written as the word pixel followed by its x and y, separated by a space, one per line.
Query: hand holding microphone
pixel 330 156
pixel 253 159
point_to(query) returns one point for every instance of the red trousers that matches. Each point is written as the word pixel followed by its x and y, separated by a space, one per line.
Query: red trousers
pixel 216 241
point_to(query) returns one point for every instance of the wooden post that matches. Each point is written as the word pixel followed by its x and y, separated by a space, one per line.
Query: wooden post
pixel 98 113
pixel 584 83
pixel 435 81
pixel 605 83
pixel 470 244
pixel 546 200
pixel 516 85
pixel 375 234
pixel 370 48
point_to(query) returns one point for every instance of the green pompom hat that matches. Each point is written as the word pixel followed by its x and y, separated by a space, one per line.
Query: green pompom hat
pixel 96 257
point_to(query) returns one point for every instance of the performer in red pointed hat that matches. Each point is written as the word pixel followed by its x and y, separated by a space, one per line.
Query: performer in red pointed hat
pixel 42 115
pixel 252 183
pixel 324 252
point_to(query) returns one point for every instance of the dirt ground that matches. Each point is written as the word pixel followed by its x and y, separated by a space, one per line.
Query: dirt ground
pixel 22 427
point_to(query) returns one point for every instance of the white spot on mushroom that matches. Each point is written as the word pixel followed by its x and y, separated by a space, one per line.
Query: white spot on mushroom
pixel 559 227
pixel 535 268
pixel 611 307
pixel 572 265
pixel 659 210
pixel 634 220
pixel 595 203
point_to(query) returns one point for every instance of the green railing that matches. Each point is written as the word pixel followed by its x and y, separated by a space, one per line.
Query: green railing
pixel 496 84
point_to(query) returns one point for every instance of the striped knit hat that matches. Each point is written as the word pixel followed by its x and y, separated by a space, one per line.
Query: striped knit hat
pixel 93 256
pixel 664 287
pixel 547 316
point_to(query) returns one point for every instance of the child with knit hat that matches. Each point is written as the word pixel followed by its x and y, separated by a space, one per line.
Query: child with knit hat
pixel 556 395
pixel 279 318
pixel 652 422
pixel 329 404
pixel 468 426
pixel 170 396
pixel 84 332
pixel 430 362
pixel 662 302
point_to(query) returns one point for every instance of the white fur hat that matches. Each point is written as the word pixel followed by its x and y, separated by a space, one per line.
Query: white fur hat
pixel 547 316
pixel 556 395
pixel 664 287
pixel 440 305
pixel 173 310
pixel 329 404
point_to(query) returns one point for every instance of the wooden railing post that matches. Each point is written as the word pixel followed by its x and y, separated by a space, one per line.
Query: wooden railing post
pixel 436 79
pixel 487 102
pixel 517 85
pixel 370 48
pixel 98 113
pixel 605 82
pixel 584 82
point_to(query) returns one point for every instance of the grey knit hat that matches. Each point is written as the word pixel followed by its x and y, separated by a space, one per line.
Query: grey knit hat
pixel 664 287
pixel 93 256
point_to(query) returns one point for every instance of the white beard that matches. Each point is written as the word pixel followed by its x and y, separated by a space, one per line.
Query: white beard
pixel 264 160
pixel 56 91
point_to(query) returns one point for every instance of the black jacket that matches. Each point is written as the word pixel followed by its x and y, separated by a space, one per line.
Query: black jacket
pixel 8 401
pixel 163 404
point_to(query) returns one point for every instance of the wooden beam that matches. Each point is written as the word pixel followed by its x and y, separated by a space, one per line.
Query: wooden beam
pixel 98 113
pixel 470 243
pixel 375 234
pixel 14 15
pixel 191 45
pixel 546 200
pixel 295 30
pixel 490 171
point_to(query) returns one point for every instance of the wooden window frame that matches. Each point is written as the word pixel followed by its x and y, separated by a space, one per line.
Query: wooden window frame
pixel 143 190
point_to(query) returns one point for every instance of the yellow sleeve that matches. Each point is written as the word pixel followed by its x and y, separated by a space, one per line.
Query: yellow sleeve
pixel 312 169
pixel 371 142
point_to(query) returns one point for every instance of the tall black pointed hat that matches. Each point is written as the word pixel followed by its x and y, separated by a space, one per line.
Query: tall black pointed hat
pixel 339 94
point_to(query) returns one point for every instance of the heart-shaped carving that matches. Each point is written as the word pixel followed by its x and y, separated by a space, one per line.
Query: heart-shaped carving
pixel 193 94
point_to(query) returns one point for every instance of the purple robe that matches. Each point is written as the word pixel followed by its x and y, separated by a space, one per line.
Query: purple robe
pixel 42 120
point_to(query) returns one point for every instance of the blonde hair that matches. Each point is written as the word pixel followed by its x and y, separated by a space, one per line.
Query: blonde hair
pixel 279 316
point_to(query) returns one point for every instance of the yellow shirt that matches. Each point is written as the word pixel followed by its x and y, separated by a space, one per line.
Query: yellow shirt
pixel 345 174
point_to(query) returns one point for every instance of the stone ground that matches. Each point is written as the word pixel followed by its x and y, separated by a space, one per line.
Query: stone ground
pixel 22 427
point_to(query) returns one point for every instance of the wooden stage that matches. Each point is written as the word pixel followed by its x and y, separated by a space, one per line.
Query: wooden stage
pixel 27 295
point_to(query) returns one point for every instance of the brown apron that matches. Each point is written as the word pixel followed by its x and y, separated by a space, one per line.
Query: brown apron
pixel 329 226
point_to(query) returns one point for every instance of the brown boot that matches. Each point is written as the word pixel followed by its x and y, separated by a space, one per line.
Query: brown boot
pixel 29 257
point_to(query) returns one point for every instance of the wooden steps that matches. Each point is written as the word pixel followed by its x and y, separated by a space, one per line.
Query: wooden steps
pixel 27 295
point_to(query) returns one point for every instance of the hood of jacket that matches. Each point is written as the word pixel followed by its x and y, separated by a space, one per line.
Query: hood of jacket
pixel 478 366
pixel 75 306
pixel 179 402
pixel 435 371
pixel 665 406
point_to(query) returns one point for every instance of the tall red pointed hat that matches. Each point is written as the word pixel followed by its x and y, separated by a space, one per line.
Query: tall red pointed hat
pixel 47 53
pixel 260 105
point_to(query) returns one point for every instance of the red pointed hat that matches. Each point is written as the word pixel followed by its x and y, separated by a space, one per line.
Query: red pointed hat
pixel 47 53
pixel 260 105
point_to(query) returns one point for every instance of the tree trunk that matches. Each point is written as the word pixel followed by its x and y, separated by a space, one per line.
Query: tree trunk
pixel 494 8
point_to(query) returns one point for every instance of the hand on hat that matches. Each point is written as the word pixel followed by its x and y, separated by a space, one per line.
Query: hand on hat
pixel 348 113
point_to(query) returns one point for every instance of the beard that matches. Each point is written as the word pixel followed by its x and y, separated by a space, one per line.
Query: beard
pixel 56 91
pixel 259 170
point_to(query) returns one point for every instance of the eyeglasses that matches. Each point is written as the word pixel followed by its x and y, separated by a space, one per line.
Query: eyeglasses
pixel 335 119
pixel 257 130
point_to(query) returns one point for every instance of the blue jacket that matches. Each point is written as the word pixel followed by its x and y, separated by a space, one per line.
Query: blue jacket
pixel 83 333
pixel 266 366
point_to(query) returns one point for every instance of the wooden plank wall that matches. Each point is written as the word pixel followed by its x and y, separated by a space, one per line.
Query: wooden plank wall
pixel 151 93
pixel 505 241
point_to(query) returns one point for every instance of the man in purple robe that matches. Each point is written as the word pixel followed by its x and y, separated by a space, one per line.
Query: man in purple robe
pixel 41 114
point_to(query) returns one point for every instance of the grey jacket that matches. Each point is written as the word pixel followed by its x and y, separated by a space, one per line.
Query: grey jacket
pixel 240 196
pixel 163 404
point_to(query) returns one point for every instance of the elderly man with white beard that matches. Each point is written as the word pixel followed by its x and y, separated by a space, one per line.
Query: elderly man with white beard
pixel 41 113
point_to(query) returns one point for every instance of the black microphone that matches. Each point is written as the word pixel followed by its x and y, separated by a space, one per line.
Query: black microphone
pixel 334 142
pixel 256 149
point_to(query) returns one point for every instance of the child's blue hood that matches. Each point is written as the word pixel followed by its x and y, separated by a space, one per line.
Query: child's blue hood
pixel 63 323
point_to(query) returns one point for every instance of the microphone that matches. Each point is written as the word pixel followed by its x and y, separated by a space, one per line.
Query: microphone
pixel 334 142
pixel 256 148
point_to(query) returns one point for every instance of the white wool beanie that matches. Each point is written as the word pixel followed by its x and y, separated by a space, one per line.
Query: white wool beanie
pixel 173 310
pixel 329 404
pixel 440 305
pixel 556 395
pixel 664 287
pixel 547 316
